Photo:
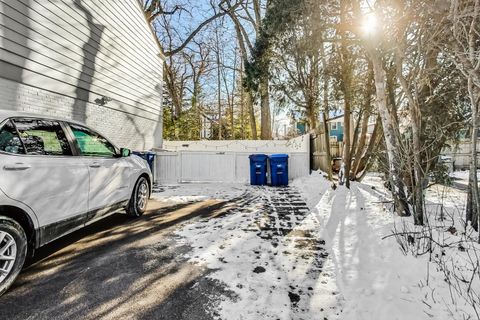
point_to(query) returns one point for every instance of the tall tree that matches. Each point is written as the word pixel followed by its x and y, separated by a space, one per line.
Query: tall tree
pixel 218 61
pixel 462 25
pixel 248 17
pixel 346 64
pixel 199 62
pixel 279 16
pixel 298 67
pixel 421 73
pixel 373 39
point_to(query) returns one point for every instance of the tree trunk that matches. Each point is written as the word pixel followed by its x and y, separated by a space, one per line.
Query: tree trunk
pixel 196 132
pixel 172 89
pixel 418 194
pixel 471 207
pixel 375 140
pixel 232 111
pixel 251 113
pixel 473 198
pixel 346 69
pixel 219 85
pixel 356 133
pixel 416 118
pixel 232 124
pixel 346 142
pixel 311 116
pixel 326 109
pixel 265 119
pixel 242 104
pixel 417 187
pixel 367 107
pixel 391 140
pixel 327 142
pixel 248 94
pixel 361 144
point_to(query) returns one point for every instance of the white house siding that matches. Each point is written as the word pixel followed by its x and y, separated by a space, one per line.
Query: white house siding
pixel 61 57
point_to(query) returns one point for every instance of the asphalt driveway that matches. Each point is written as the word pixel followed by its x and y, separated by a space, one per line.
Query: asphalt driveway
pixel 117 268
pixel 121 268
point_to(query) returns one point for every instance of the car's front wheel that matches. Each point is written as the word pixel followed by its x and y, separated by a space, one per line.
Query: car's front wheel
pixel 139 200
pixel 13 250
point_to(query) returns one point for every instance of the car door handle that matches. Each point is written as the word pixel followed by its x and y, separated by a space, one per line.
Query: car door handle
pixel 95 165
pixel 16 167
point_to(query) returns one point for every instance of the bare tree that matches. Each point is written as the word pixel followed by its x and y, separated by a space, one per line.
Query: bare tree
pixel 218 60
pixel 175 73
pixel 247 17
pixel 463 27
pixel 364 151
pixel 346 64
pixel 157 8
pixel 199 62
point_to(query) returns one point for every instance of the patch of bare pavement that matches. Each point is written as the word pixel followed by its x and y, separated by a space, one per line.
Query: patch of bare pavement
pixel 118 268
pixel 121 268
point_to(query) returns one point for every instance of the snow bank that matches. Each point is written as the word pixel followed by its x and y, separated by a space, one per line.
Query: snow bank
pixel 376 279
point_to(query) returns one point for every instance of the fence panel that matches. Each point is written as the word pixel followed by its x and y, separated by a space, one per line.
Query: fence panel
pixel 166 167
pixel 225 161
pixel 207 167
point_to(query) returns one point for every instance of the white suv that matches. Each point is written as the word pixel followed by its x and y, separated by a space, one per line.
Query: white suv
pixel 57 176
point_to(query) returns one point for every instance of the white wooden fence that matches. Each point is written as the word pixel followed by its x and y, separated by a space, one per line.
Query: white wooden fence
pixel 461 153
pixel 225 161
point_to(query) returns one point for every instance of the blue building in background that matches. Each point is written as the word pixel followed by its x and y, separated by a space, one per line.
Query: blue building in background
pixel 336 127
pixel 301 127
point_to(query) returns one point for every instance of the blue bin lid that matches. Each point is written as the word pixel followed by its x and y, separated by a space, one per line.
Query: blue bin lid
pixel 258 157
pixel 279 156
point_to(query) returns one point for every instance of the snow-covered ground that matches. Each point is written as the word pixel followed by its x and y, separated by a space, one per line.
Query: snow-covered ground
pixel 462 175
pixel 460 178
pixel 198 191
pixel 312 252
pixel 375 279
pixel 269 253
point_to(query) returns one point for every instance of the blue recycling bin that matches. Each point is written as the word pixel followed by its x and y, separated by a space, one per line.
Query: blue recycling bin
pixel 279 169
pixel 148 156
pixel 258 169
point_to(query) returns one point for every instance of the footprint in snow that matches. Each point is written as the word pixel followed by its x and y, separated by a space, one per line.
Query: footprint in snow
pixel 294 298
pixel 259 269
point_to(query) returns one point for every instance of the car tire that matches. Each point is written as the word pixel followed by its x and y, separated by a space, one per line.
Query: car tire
pixel 13 249
pixel 139 200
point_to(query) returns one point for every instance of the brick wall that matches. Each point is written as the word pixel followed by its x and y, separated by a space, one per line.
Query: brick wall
pixel 122 128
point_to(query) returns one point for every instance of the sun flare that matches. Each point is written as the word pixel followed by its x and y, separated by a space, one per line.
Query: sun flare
pixel 369 24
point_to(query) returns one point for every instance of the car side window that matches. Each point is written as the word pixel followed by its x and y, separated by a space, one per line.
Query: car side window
pixel 43 137
pixel 91 143
pixel 9 139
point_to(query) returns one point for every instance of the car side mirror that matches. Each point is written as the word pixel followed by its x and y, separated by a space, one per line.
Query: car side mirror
pixel 125 152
